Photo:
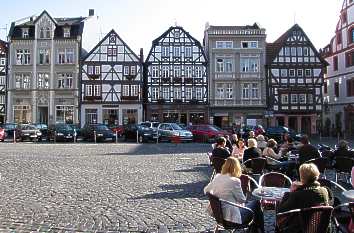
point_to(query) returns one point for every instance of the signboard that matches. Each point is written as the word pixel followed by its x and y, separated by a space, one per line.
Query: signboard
pixel 251 122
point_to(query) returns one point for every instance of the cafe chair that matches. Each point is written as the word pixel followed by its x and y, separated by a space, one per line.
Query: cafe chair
pixel 256 165
pixel 216 163
pixel 248 184
pixel 329 155
pixel 332 188
pixel 216 207
pixel 307 220
pixel 342 215
pixel 343 166
pixel 321 163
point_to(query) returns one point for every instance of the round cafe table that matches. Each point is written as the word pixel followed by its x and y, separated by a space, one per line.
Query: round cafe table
pixel 349 194
pixel 270 193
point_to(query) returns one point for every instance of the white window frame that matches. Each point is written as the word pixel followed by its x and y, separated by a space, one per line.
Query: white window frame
pixel 283 73
pixel 125 90
pixel 199 93
pixel 294 99
pixel 254 91
pixel 155 93
pixel 165 72
pixel 166 93
pixel 97 90
pixel 188 51
pixel 188 71
pixel 155 71
pixel 43 81
pixel 66 32
pixel 292 72
pixel 88 90
pixel 246 91
pixel 176 51
pixel 299 72
pixel 134 90
pixel 44 56
pixel 165 51
pixel 284 98
pixel 302 98
pixel 224 44
pixel 65 81
pixel 188 94
pixel 307 72
pixel 249 65
pixel 177 93
pixel 198 72
pixel 177 71
pixel 229 91
pixel 25 33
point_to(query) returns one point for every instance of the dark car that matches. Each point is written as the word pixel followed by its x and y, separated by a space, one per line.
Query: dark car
pixel 150 124
pixel 100 131
pixel 60 132
pixel 206 133
pixel 9 129
pixel 43 128
pixel 77 130
pixel 2 135
pixel 28 132
pixel 278 132
pixel 139 132
pixel 172 131
pixel 245 130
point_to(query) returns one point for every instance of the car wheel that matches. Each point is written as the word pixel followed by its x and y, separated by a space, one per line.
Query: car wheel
pixel 140 139
pixel 124 137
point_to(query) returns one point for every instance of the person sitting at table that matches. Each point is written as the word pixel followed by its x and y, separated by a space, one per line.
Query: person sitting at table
pixel 220 150
pixel 261 142
pixel 239 149
pixel 307 193
pixel 228 143
pixel 307 151
pixel 234 139
pixel 343 150
pixel 252 151
pixel 227 186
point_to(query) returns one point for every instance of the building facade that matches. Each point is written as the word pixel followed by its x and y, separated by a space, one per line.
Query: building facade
pixel 44 69
pixel 338 114
pixel 176 79
pixel 112 83
pixel 237 82
pixel 295 73
pixel 3 79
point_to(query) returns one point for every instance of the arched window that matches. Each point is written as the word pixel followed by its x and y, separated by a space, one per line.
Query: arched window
pixel 47 32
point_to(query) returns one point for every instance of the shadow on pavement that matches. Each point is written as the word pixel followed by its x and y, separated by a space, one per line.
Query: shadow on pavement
pixel 204 169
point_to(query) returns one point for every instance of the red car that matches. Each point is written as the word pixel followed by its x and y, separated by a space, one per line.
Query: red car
pixel 117 128
pixel 2 134
pixel 206 133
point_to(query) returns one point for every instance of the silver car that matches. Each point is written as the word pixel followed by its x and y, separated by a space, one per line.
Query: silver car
pixel 172 131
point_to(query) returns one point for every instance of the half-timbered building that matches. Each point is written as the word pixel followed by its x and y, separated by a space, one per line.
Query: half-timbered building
pixel 176 79
pixel 338 89
pixel 44 69
pixel 295 74
pixel 111 83
pixel 3 78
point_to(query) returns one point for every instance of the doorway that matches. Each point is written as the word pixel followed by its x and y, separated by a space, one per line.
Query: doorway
pixel 43 115
pixel 293 123
pixel 306 125
pixel 183 118
pixel 280 121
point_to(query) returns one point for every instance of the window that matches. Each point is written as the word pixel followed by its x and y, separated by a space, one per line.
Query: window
pixel 44 33
pixel 299 51
pixel 306 51
pixel 188 72
pixel 351 35
pixel 294 98
pixel 254 91
pixel 111 52
pixel 292 73
pixel 155 93
pixel 61 56
pixel 125 91
pixel 43 81
pixel 134 90
pixel 188 93
pixel 224 44
pixel 220 65
pixel 349 59
pixel 25 33
pixel 177 93
pixel 344 17
pixel 287 51
pixel 249 64
pixel 126 70
pixel 44 56
pixel 299 72
pixel 165 51
pixel 220 91
pixel 165 71
pixel 228 65
pixel 335 63
pixel 133 70
pixel 94 70
pixel 88 90
pixel 188 52
pixel 65 113
pixel 96 90
pixel 302 98
pixel 284 98
pixel 293 51
pixel 249 44
pixel 2 80
pixel 325 87
pixel 155 71
pixel 350 87
pixel 91 116
pixel 339 37
pixel 198 72
pixel 336 89
pixel 199 93
pixel 65 80
pixel 66 32
pixel 176 51
pixel 246 91
pixel 283 73
pixel 166 93
pixel 2 61
pixel 309 98
pixel 23 57
pixel 176 71
pixel 66 56
pixel 2 99
pixel 229 91
pixel 22 81
pixel 177 34
pixel 307 72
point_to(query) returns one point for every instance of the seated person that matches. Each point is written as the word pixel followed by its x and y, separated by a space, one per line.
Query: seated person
pixel 228 143
pixel 252 151
pixel 307 151
pixel 239 149
pixel 308 193
pixel 220 150
pixel 227 186
pixel 261 142
pixel 234 139
pixel 343 150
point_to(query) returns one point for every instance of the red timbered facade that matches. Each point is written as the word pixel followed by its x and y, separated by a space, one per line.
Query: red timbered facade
pixel 295 74
pixel 176 79
pixel 3 75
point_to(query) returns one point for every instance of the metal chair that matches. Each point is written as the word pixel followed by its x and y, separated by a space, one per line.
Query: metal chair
pixel 343 166
pixel 216 163
pixel 321 163
pixel 307 220
pixel 256 165
pixel 248 184
pixel 332 188
pixel 216 207
pixel 342 215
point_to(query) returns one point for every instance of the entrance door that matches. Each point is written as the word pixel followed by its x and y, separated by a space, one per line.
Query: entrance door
pixel 183 118
pixel 43 115
pixel 306 125
pixel 280 121
pixel 293 123
pixel 218 121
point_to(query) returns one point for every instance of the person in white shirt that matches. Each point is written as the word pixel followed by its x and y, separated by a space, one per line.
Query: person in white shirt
pixel 227 186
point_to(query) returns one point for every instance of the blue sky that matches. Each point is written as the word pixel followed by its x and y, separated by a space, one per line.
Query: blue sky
pixel 138 22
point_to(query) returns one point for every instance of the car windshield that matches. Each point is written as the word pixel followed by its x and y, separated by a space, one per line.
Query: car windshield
pixel 214 128
pixel 175 126
pixel 10 126
pixel 28 127
pixel 155 125
pixel 64 127
pixel 101 127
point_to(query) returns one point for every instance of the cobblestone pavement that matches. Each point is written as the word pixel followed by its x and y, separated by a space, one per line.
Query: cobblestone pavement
pixel 105 188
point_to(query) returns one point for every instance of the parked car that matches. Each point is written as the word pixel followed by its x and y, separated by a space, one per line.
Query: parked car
pixel 244 131
pixel 119 129
pixel 76 129
pixel 171 131
pixel 278 132
pixel 28 132
pixel 9 129
pixel 2 134
pixel 142 132
pixel 150 124
pixel 206 133
pixel 43 128
pixel 60 132
pixel 103 133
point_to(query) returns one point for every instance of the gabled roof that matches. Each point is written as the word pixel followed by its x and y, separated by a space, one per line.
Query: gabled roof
pixel 44 13
pixel 273 49
pixel 100 43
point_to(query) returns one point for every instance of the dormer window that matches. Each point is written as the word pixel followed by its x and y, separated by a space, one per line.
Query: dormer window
pixel 44 33
pixel 25 33
pixel 66 32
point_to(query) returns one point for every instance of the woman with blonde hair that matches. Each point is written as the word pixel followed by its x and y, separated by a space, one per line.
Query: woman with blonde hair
pixel 227 186
pixel 252 151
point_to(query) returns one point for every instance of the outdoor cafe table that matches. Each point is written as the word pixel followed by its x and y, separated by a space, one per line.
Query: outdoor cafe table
pixel 270 193
pixel 349 194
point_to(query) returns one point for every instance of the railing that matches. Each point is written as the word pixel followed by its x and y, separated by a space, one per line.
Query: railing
pixel 242 75
pixel 233 102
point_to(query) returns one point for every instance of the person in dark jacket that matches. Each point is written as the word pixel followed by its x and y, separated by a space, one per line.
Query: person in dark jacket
pixel 252 151
pixel 307 151
pixel 228 143
pixel 343 150
pixel 220 150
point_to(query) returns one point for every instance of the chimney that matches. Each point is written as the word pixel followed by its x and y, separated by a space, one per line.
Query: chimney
pixel 91 12
pixel 141 55
pixel 31 19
